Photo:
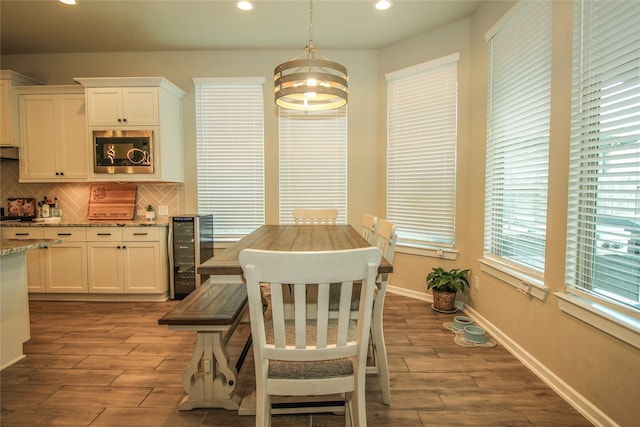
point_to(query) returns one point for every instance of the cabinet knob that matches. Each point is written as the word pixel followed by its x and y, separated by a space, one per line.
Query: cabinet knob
pixel 119 120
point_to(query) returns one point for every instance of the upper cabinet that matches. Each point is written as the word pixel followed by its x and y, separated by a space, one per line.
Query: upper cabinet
pixel 123 106
pixel 9 118
pixel 139 103
pixel 53 134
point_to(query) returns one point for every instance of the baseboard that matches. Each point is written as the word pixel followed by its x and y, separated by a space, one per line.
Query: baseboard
pixel 98 297
pixel 418 295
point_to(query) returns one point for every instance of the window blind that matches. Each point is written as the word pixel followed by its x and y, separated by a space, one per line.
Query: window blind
pixel 603 240
pixel 313 162
pixel 517 149
pixel 230 154
pixel 422 107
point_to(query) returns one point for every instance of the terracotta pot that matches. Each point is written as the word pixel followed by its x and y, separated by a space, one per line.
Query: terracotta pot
pixel 444 302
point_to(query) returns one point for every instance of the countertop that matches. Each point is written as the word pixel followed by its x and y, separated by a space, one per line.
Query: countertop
pixel 13 246
pixel 80 222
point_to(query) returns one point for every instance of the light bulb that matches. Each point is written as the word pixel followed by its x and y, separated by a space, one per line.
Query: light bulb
pixel 244 5
pixel 383 5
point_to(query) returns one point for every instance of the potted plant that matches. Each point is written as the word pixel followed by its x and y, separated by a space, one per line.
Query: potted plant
pixel 444 285
pixel 150 214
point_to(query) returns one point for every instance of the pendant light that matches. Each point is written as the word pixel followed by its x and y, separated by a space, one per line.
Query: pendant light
pixel 310 82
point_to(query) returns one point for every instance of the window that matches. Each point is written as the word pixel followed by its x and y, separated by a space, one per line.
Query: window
pixel 603 236
pixel 313 162
pixel 517 149
pixel 422 107
pixel 230 154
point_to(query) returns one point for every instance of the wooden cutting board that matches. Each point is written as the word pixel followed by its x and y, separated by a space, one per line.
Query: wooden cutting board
pixel 112 201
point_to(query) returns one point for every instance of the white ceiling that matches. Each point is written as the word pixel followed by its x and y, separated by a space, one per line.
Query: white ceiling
pixel 31 26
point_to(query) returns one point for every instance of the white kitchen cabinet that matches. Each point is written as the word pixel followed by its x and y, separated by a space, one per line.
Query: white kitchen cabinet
pixel 139 103
pixel 66 263
pixel 53 133
pixel 129 260
pixel 9 112
pixel 122 106
pixel 58 268
pixel 36 281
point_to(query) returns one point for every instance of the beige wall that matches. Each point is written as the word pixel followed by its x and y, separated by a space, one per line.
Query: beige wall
pixel 601 369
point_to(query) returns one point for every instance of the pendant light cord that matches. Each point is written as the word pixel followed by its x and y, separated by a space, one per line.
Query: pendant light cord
pixel 310 23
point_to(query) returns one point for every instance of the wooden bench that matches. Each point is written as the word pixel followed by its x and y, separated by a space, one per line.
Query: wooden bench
pixel 213 310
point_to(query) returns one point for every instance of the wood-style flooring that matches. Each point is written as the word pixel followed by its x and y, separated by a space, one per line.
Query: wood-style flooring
pixel 110 364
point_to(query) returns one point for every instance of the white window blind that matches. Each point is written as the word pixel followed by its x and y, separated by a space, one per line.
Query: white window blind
pixel 603 240
pixel 230 154
pixel 517 149
pixel 313 162
pixel 422 109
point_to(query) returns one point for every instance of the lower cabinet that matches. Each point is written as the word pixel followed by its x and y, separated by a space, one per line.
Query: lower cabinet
pixel 96 260
pixel 58 268
pixel 130 260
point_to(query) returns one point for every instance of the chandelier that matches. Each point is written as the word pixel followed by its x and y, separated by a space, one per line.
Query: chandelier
pixel 310 81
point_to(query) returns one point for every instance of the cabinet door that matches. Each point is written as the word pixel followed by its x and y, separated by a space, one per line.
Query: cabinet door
pixel 73 153
pixel 140 106
pixel 142 269
pixel 105 267
pixel 67 267
pixel 40 126
pixel 54 138
pixel 104 106
pixel 5 113
pixel 36 271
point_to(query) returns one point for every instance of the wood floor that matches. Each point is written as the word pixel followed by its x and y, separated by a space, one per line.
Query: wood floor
pixel 110 364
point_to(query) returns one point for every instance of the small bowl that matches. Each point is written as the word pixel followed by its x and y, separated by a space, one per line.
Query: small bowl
pixel 475 334
pixel 460 322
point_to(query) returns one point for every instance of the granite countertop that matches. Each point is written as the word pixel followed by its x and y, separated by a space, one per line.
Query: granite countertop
pixel 13 246
pixel 81 222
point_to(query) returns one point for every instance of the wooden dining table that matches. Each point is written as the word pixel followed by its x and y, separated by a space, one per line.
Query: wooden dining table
pixel 288 238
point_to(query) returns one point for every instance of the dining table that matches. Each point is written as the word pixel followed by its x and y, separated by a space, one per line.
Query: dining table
pixel 224 269
pixel 288 238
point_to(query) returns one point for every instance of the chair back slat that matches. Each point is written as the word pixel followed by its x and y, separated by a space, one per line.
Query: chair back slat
pixel 322 315
pixel 315 216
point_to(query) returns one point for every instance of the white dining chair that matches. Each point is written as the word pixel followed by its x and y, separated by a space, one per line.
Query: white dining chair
pixel 369 224
pixel 314 353
pixel 385 239
pixel 315 216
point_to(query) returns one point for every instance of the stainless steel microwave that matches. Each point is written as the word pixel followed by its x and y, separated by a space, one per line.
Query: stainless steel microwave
pixel 123 151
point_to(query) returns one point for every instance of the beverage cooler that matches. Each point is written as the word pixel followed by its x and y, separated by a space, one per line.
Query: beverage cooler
pixel 190 244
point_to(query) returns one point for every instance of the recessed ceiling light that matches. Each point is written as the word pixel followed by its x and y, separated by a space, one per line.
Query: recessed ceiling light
pixel 244 5
pixel 383 5
pixel 68 1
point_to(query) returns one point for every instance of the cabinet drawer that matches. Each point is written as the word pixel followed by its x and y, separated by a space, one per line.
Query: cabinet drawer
pixel 22 233
pixel 146 234
pixel 69 234
pixel 104 234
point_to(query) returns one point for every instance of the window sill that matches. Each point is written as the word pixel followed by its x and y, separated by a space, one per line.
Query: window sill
pixel 448 254
pixel 619 325
pixel 528 285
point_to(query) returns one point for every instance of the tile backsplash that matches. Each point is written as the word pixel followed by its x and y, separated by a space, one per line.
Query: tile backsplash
pixel 73 198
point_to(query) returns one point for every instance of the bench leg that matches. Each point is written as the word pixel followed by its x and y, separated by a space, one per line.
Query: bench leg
pixel 210 379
